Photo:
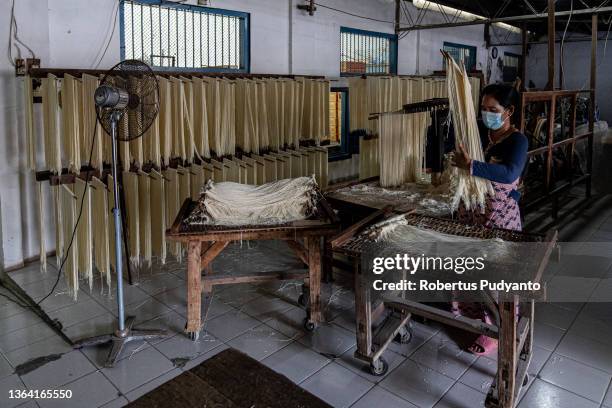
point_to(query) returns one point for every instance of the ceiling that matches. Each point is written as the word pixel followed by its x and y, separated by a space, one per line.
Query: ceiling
pixel 504 8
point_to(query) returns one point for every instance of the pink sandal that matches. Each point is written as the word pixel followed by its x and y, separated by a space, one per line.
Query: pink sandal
pixel 487 344
pixel 483 345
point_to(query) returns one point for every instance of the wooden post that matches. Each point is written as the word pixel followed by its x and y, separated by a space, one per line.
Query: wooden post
pixel 313 246
pixel 522 117
pixel 524 57
pixel 528 312
pixel 363 312
pixel 397 16
pixel 506 360
pixel 551 45
pixel 550 136
pixel 194 287
pixel 572 134
pixel 594 26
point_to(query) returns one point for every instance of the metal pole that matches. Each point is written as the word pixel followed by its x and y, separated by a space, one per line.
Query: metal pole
pixel 509 19
pixel 121 332
pixel 594 27
pixel 551 45
pixel 524 56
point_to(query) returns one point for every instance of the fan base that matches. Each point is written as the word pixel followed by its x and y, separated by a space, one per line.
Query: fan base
pixel 119 339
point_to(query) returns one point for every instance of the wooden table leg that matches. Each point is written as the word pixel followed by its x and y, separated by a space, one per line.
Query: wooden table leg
pixel 194 289
pixel 525 352
pixel 363 314
pixel 507 356
pixel 207 289
pixel 314 268
pixel 209 251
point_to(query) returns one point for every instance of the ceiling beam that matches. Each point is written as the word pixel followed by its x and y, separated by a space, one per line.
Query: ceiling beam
pixel 583 38
pixel 509 19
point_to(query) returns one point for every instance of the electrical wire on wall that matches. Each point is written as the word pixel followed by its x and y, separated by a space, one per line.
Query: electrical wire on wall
pixel 14 36
pixel 114 17
pixel 352 14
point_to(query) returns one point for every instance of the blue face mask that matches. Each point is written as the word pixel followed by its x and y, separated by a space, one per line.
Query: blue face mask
pixel 492 120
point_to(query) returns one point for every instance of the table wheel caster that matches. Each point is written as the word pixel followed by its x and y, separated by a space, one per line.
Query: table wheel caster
pixel 309 326
pixel 304 300
pixel 404 336
pixel 379 367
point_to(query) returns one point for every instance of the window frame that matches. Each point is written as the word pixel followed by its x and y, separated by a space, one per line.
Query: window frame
pixel 471 48
pixel 341 151
pixel 245 33
pixel 519 58
pixel 393 50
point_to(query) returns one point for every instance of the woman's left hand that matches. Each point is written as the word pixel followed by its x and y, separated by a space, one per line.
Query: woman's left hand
pixel 461 159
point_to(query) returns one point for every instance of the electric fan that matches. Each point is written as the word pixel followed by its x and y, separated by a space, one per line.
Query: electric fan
pixel 128 102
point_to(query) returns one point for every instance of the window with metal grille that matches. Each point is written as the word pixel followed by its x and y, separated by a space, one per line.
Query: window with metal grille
pixel 177 36
pixel 512 62
pixel 462 53
pixel 367 52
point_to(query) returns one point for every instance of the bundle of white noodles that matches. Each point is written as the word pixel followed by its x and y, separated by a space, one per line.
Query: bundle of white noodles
pixel 401 140
pixel 278 202
pixel 469 190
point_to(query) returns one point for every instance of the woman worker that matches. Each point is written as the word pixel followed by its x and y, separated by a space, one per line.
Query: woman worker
pixel 505 157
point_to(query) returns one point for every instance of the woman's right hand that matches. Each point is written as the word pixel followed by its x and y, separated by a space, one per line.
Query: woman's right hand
pixel 461 159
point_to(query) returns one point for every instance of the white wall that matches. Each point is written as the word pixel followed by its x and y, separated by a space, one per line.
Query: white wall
pixel 577 69
pixel 17 194
pixel 72 33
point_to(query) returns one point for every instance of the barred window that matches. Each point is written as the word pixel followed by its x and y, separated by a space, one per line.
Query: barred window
pixel 462 53
pixel 367 52
pixel 181 36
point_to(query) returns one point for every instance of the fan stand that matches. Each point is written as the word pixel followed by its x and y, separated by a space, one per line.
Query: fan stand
pixel 124 333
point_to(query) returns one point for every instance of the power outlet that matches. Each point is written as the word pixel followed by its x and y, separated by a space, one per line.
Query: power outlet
pixel 23 66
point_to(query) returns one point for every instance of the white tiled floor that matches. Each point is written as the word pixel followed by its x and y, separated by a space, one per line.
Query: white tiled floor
pixel 571 367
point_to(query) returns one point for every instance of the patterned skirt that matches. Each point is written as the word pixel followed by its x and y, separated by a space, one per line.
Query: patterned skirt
pixel 502 211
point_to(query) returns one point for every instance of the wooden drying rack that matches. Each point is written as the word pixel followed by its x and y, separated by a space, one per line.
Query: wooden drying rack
pixel 68 177
pixel 59 72
pixel 205 243
pixel 39 73
pixel 514 333
pixel 553 188
pixel 85 173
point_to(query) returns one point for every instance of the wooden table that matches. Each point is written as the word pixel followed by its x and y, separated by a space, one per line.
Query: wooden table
pixel 353 208
pixel 358 199
pixel 514 333
pixel 205 242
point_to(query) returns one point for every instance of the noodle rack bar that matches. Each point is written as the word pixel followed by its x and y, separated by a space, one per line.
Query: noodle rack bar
pixel 514 333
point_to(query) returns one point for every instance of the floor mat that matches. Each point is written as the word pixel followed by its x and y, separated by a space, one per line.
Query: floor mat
pixel 229 379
